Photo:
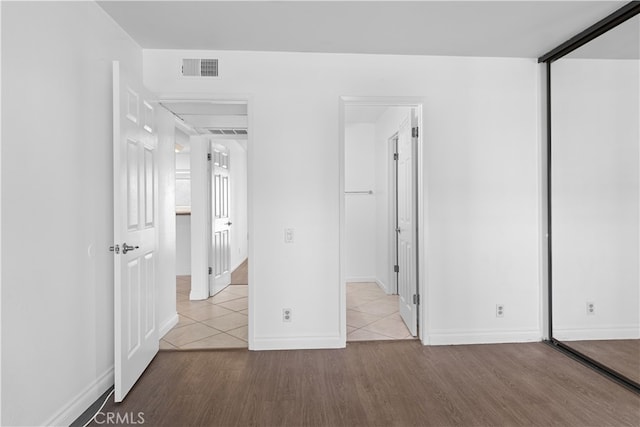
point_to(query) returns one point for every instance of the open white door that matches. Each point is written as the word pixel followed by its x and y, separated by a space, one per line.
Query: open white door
pixel 220 250
pixel 406 191
pixel 135 196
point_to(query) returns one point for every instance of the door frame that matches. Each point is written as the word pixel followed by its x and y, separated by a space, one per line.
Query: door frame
pixel 389 101
pixel 201 288
pixel 392 148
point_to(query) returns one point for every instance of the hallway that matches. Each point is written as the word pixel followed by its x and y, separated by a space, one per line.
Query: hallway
pixel 218 322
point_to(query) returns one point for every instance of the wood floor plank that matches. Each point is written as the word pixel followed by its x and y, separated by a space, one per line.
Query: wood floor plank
pixel 620 355
pixel 400 383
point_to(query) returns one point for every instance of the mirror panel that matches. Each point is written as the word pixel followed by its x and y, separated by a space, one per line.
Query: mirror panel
pixel 595 199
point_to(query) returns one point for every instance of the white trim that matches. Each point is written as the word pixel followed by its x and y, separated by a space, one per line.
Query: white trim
pixel 167 325
pixel 250 227
pixel 392 190
pixel 392 101
pixel 83 400
pixel 206 97
pixel 231 99
pixel 383 286
pixel 361 279
pixel 298 343
pixel 613 332
pixel 342 226
pixel 199 218
pixel 181 126
pixel 459 337
pixel 543 265
pixel 1 231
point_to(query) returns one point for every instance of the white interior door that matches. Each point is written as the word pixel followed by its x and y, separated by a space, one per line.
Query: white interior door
pixel 135 197
pixel 406 231
pixel 220 252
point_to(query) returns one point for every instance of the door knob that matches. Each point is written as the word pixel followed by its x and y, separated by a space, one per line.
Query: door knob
pixel 126 248
pixel 229 223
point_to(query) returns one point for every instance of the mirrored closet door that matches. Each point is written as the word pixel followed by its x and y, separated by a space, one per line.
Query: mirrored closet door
pixel 595 200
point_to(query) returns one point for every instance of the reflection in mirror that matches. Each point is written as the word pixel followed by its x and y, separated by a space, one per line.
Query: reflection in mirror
pixel 595 199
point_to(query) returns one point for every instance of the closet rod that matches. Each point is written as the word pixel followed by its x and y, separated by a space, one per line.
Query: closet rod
pixel 359 192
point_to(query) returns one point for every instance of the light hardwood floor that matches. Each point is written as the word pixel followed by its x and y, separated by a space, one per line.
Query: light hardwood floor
pixel 392 383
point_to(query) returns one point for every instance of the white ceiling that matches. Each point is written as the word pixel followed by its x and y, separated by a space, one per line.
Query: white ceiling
pixel 203 117
pixel 622 42
pixel 453 28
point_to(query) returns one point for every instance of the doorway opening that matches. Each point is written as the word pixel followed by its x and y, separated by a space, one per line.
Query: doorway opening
pixel 380 219
pixel 211 225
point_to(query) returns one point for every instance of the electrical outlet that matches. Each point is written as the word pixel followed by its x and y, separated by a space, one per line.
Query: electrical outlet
pixel 286 315
pixel 499 310
pixel 591 308
pixel 288 235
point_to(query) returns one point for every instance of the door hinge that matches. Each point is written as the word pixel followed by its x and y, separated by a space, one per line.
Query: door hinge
pixel 210 270
pixel 395 156
pixel 414 132
pixel 209 156
pixel 416 299
pixel 396 269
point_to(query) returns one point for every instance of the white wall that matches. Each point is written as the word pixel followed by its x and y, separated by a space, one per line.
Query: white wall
pixel 183 245
pixel 596 204
pixel 167 316
pixel 183 204
pixel 57 208
pixel 360 209
pixel 480 132
pixel 183 167
pixel 386 126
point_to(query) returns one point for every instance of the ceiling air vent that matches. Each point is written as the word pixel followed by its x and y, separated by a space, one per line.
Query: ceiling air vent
pixel 228 131
pixel 200 67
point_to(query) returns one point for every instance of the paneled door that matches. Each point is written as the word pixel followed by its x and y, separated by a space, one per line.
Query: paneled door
pixel 220 251
pixel 135 200
pixel 406 230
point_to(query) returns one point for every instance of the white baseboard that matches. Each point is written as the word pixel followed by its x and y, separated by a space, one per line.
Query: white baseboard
pixel 360 279
pixel 482 337
pixel 168 324
pixel 367 279
pixel 297 343
pixel 217 289
pixel 598 333
pixel 83 400
pixel 196 296
pixel 383 287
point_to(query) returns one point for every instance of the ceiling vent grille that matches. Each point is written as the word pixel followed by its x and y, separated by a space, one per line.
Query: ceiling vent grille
pixel 228 131
pixel 199 67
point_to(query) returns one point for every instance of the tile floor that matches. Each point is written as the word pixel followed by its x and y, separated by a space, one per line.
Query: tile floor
pixel 373 315
pixel 221 321
pixel 218 322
